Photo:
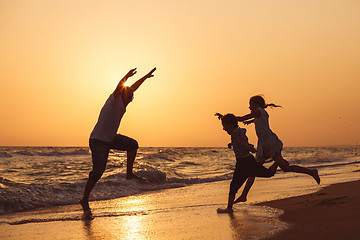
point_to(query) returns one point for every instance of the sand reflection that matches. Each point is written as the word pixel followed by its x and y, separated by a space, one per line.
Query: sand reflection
pixel 125 218
pixel 255 222
pixel 129 227
pixel 134 228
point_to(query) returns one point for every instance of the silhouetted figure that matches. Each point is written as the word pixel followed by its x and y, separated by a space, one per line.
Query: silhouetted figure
pixel 246 165
pixel 269 145
pixel 104 136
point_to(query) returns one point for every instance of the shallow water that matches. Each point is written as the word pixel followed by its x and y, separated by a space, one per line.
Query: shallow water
pixel 179 213
pixel 32 177
pixel 182 213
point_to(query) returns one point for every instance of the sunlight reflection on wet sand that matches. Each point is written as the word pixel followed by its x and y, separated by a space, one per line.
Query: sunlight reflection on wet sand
pixel 180 214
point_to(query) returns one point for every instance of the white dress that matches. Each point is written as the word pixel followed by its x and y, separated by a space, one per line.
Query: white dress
pixel 269 145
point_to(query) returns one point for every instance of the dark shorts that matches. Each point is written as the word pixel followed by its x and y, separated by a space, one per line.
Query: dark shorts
pixel 247 167
pixel 100 152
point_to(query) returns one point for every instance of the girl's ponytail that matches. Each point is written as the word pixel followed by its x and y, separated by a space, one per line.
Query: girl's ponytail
pixel 260 101
pixel 271 105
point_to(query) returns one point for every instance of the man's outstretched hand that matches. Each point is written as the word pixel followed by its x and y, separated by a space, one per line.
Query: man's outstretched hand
pixel 218 115
pixel 150 74
pixel 137 84
pixel 131 73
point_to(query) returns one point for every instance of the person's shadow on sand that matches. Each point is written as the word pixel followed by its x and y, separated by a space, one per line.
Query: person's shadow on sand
pixel 87 225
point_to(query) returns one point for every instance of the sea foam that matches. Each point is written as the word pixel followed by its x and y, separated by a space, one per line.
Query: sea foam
pixel 40 177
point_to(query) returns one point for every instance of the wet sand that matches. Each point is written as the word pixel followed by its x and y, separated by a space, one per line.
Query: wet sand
pixel 331 213
pixel 182 213
pixel 190 213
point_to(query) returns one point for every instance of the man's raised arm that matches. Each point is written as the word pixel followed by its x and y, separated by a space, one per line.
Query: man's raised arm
pixel 123 81
pixel 137 84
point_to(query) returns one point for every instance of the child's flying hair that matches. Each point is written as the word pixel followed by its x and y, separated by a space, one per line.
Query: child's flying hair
pixel 259 100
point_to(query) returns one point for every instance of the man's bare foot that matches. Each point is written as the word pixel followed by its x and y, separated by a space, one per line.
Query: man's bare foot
pixel 133 176
pixel 224 210
pixel 240 199
pixel 315 175
pixel 87 215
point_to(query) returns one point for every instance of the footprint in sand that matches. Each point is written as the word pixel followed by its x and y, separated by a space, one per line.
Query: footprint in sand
pixel 332 201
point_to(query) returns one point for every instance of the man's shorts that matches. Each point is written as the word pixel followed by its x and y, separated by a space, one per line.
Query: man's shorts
pixel 100 152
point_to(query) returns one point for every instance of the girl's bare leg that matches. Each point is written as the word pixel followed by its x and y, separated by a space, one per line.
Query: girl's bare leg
pixel 286 167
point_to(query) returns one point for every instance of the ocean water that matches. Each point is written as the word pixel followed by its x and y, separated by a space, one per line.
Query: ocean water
pixel 33 177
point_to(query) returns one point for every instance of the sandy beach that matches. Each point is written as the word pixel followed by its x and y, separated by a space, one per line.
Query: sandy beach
pixel 190 213
pixel 331 213
pixel 182 213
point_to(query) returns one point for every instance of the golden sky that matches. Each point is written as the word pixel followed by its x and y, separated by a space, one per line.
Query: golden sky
pixel 60 60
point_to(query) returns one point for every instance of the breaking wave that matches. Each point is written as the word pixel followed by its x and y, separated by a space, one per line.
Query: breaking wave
pixel 32 177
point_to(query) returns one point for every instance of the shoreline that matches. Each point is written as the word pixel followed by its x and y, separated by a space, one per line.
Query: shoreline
pixel 333 212
pixel 193 216
pixel 180 213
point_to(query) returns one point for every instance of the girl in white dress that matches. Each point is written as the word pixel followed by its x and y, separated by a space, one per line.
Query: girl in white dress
pixel 269 145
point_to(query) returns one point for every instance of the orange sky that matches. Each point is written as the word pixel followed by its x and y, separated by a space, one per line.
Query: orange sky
pixel 61 59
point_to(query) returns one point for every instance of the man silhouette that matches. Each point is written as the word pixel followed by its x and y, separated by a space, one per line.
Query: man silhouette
pixel 104 136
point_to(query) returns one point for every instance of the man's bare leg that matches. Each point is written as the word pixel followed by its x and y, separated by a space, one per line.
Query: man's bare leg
pixel 84 202
pixel 131 155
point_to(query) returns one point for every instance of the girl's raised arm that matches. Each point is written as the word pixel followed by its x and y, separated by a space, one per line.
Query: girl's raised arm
pixel 255 113
pixel 245 145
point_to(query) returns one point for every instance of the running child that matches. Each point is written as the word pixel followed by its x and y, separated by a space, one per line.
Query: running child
pixel 246 165
pixel 269 145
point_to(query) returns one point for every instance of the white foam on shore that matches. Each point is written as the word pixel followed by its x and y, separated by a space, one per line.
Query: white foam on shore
pixel 160 214
pixel 42 177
